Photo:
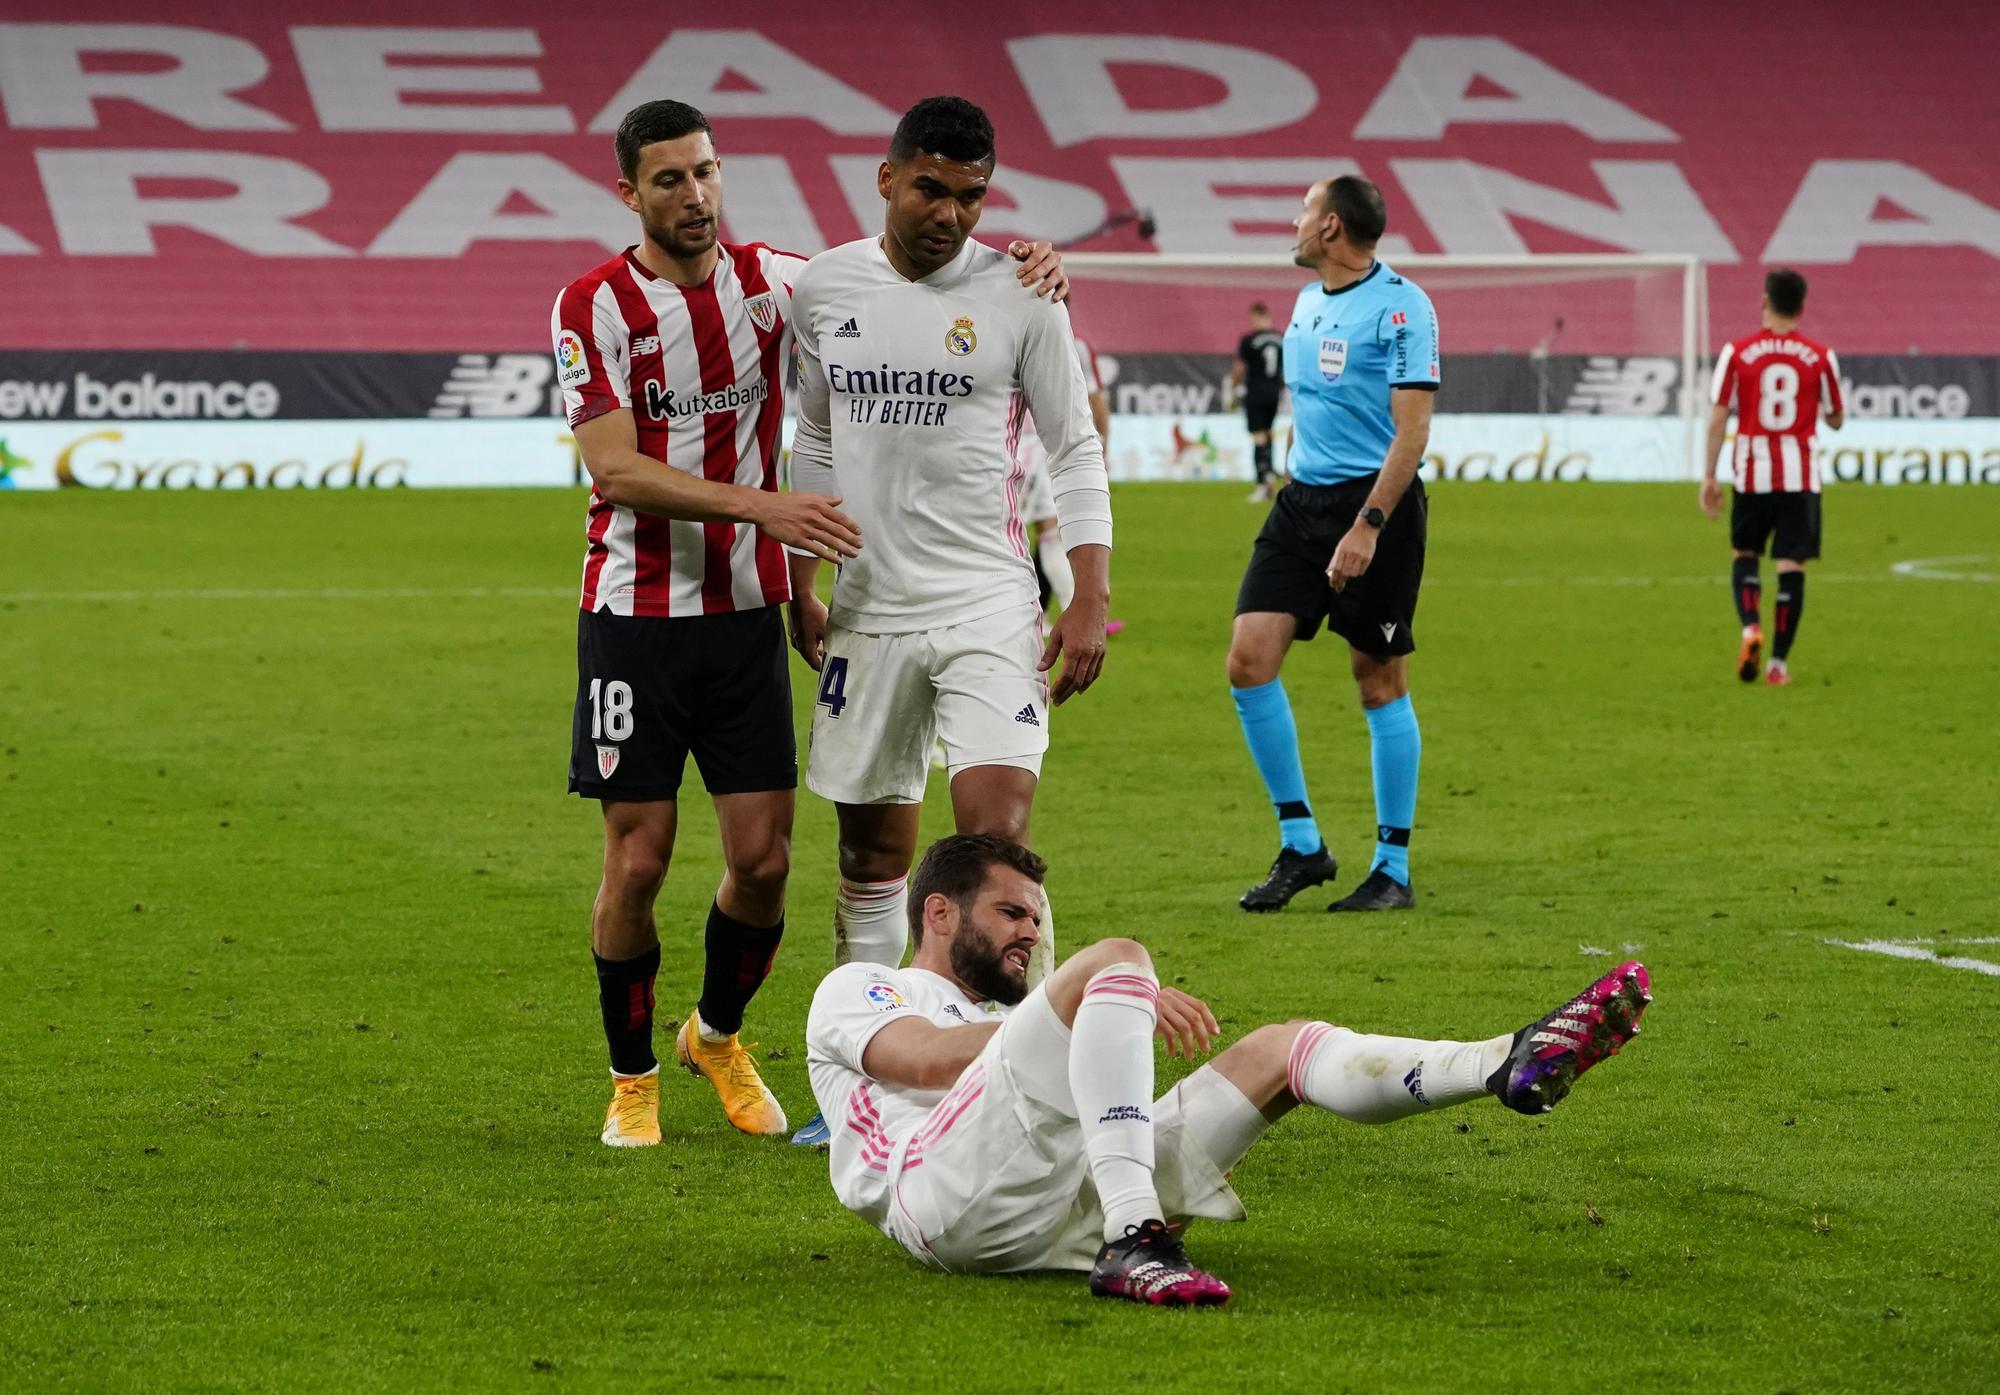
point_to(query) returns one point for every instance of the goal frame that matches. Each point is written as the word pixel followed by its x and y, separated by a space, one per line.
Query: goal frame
pixel 1694 294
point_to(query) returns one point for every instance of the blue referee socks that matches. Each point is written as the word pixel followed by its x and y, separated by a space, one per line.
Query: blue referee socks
pixel 1273 738
pixel 1396 747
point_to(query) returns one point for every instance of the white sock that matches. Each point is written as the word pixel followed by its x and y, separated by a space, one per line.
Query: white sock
pixel 1042 958
pixel 1055 566
pixel 870 922
pixel 1111 1076
pixel 1220 1117
pixel 1375 1080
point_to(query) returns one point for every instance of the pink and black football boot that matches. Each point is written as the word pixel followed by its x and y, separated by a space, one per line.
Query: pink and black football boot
pixel 1550 1053
pixel 1147 1265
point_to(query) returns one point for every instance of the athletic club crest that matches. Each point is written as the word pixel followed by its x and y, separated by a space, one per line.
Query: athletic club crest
pixel 763 311
pixel 960 339
pixel 607 761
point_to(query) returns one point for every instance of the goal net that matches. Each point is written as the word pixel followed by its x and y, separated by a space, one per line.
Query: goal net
pixel 1555 366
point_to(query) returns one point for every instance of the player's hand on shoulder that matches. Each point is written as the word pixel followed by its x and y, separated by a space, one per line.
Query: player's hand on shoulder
pixel 805 621
pixel 1077 638
pixel 812 523
pixel 1041 269
pixel 1185 1024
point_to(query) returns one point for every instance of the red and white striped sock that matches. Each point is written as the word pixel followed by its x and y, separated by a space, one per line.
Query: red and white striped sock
pixel 870 922
pixel 1376 1080
pixel 1111 1077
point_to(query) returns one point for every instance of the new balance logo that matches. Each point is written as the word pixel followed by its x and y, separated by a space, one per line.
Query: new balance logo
pixel 850 330
pixel 1414 1083
pixel 506 385
pixel 1026 716
pixel 1628 387
pixel 1389 630
pixel 646 344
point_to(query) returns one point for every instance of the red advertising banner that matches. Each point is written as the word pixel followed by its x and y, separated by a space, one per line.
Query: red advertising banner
pixel 426 175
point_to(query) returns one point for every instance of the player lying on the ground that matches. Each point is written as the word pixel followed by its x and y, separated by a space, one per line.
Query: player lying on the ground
pixel 986 1128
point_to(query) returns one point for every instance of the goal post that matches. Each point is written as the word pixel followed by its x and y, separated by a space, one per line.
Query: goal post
pixel 1555 336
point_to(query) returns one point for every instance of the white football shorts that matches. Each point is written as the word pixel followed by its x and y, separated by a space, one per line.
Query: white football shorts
pixel 885 699
pixel 994 1180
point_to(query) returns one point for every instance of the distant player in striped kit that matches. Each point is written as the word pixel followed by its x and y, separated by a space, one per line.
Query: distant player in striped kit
pixel 671 358
pixel 986 1126
pixel 1777 382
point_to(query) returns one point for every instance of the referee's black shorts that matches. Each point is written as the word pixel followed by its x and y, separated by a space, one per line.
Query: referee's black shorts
pixel 1787 519
pixel 651 691
pixel 1377 611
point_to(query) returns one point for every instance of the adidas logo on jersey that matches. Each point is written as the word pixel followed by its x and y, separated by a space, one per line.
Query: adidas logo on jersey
pixel 1027 716
pixel 850 330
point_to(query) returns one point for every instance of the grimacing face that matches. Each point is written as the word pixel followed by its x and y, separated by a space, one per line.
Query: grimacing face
pixel 933 206
pixel 989 951
pixel 677 193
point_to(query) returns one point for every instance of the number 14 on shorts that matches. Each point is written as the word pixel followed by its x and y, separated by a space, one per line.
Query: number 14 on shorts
pixel 833 686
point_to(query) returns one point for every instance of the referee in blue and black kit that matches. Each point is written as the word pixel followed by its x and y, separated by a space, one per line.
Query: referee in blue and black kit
pixel 1344 542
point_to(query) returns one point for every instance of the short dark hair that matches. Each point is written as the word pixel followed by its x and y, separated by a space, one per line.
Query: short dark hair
pixel 1258 307
pixel 655 121
pixel 1359 206
pixel 1787 291
pixel 948 126
pixel 955 868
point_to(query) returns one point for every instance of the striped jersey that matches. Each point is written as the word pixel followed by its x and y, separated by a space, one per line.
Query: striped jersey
pixel 702 369
pixel 1777 385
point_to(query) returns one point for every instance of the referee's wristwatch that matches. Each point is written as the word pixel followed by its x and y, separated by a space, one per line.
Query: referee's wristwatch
pixel 1372 516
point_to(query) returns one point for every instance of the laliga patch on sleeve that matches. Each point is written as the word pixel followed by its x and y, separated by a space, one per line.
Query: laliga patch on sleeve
pixel 883 997
pixel 1332 359
pixel 572 370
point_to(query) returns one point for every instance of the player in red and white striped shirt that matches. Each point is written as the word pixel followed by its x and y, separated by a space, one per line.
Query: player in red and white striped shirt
pixel 1777 382
pixel 672 358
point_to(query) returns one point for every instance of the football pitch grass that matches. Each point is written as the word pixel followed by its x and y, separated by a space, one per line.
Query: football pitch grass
pixel 302 1072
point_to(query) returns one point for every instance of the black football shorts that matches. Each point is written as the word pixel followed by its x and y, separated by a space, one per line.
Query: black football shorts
pixel 1789 521
pixel 1377 611
pixel 651 691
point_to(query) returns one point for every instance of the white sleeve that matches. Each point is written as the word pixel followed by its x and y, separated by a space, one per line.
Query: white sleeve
pixel 851 1005
pixel 1052 381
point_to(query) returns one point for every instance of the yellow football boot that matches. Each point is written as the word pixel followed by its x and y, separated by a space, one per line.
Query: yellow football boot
pixel 730 1069
pixel 633 1120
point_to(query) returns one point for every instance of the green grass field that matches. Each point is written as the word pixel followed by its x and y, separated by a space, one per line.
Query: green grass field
pixel 302 1074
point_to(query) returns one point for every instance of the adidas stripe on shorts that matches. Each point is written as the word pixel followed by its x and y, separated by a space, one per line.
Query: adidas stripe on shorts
pixel 884 700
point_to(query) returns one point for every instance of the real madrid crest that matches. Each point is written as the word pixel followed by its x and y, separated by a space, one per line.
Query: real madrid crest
pixel 960 339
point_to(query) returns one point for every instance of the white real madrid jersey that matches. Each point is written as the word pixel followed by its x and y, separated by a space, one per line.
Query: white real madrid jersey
pixel 870 1119
pixel 908 393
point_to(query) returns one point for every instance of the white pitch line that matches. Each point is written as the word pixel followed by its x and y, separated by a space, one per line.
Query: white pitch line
pixel 1942 568
pixel 1901 949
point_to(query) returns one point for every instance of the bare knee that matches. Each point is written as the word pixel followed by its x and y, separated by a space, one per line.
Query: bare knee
pixel 763 868
pixel 863 860
pixel 1103 954
pixel 634 867
pixel 1252 665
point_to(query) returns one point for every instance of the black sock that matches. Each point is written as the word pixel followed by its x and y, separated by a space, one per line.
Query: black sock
pixel 1749 590
pixel 1791 604
pixel 1262 454
pixel 738 960
pixel 625 996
